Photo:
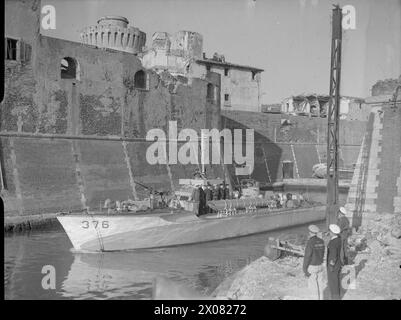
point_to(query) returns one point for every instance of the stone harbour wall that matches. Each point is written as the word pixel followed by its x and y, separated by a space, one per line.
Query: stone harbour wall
pixel 71 139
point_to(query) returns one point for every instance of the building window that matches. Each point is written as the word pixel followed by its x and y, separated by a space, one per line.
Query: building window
pixel 210 92
pixel 226 72
pixel 140 80
pixel 17 50
pixel 25 51
pixel 227 101
pixel 69 68
pixel 11 49
pixel 207 68
pixel 253 75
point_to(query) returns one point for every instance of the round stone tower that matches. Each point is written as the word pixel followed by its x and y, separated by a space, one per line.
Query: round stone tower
pixel 113 32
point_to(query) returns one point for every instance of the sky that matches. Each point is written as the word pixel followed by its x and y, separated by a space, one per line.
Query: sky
pixel 289 39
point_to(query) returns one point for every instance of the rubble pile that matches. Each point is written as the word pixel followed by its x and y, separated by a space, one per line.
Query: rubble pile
pixel 378 259
pixel 267 280
pixel 381 237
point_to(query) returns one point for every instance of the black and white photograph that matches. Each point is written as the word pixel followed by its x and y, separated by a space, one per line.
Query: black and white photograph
pixel 220 150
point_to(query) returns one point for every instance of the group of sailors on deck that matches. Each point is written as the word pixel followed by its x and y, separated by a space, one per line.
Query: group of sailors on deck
pixel 203 193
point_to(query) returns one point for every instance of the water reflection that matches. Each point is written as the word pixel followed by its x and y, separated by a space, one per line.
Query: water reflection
pixel 121 275
pixel 130 274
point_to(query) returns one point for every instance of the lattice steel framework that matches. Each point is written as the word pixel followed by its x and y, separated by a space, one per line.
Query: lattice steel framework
pixel 333 118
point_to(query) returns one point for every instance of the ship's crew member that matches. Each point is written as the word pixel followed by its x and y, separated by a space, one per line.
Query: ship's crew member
pixel 195 197
pixel 278 201
pixel 197 174
pixel 236 194
pixel 289 202
pixel 205 206
pixel 344 224
pixel 202 201
pixel 227 192
pixel 163 201
pixel 313 262
pixel 208 196
pixel 221 191
pixel 195 194
pixel 215 192
pixel 151 200
pixel 334 262
pixel 107 205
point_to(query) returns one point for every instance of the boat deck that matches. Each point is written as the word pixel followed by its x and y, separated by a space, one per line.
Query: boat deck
pixel 180 215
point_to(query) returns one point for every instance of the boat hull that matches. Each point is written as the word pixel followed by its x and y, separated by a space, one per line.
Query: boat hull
pixel 97 232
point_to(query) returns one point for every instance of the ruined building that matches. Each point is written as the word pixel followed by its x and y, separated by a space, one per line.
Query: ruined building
pixel 317 106
pixel 182 54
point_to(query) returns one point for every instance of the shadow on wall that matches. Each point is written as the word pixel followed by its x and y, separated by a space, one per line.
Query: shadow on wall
pixel 267 155
pixel 1 207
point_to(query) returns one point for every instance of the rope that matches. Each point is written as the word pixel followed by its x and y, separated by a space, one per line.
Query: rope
pixel 99 236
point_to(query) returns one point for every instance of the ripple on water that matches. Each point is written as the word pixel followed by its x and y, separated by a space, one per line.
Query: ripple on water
pixel 121 275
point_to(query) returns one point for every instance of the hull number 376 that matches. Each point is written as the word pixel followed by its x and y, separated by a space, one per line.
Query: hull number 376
pixel 96 224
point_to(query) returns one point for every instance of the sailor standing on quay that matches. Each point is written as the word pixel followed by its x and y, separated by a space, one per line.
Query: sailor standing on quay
pixel 334 262
pixel 313 262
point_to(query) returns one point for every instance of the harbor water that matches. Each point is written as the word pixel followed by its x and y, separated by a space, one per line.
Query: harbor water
pixel 121 275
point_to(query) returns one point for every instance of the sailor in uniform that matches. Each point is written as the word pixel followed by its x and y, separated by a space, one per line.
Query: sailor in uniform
pixel 216 192
pixel 313 262
pixel 226 192
pixel 334 262
pixel 202 201
pixel 208 196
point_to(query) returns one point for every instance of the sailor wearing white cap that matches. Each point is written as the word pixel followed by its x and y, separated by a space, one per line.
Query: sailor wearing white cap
pixel 335 230
pixel 334 262
pixel 342 220
pixel 313 262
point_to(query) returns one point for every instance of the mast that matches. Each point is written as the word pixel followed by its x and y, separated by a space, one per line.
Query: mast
pixel 333 118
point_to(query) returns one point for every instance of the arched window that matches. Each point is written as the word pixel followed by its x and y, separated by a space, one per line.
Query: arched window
pixel 140 79
pixel 69 68
pixel 210 92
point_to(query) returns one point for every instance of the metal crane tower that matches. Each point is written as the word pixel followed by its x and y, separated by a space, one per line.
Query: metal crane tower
pixel 333 118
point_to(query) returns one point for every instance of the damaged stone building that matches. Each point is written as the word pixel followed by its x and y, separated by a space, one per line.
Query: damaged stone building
pixel 317 105
pixel 182 54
